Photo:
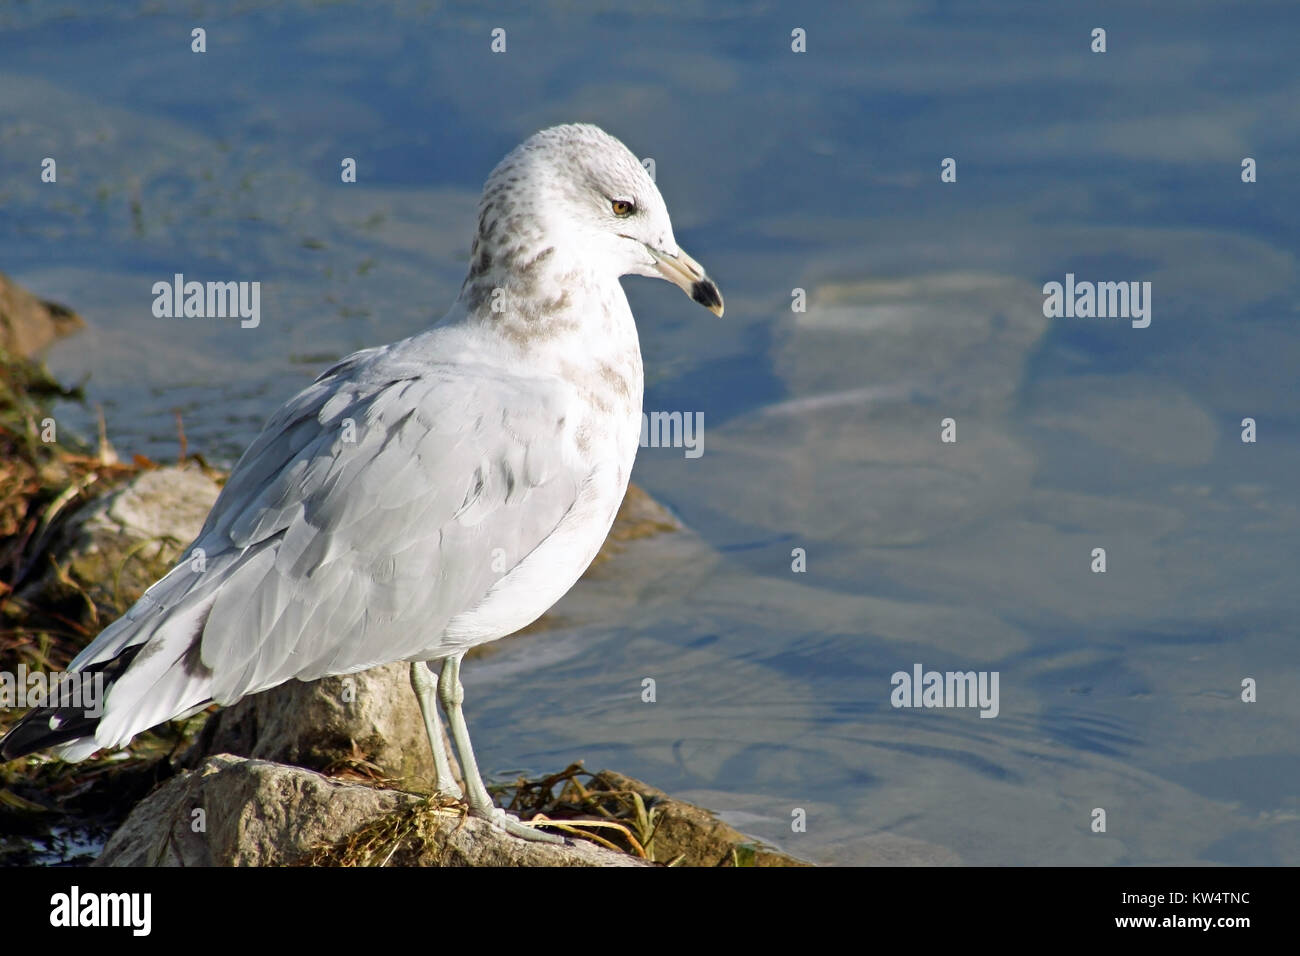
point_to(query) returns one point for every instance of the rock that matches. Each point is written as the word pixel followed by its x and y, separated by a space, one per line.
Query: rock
pixel 256 813
pixel 113 548
pixel 29 324
pixel 367 724
pixel 692 833
pixel 169 503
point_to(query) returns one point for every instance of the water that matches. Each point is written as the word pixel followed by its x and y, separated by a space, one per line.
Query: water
pixel 820 171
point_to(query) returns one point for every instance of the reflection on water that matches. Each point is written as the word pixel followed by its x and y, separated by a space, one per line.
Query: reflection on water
pixel 1119 690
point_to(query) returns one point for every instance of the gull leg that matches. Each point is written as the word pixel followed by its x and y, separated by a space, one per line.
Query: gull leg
pixel 452 695
pixel 423 684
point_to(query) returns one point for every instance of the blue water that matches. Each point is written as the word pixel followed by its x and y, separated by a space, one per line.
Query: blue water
pixel 818 171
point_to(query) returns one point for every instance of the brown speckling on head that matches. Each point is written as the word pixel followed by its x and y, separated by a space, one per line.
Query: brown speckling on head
pixel 531 265
pixel 528 211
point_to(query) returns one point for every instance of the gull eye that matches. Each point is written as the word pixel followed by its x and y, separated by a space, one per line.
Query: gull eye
pixel 622 207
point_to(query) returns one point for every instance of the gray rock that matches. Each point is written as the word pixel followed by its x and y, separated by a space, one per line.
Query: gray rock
pixel 231 811
pixel 119 543
pixel 365 724
pixel 171 503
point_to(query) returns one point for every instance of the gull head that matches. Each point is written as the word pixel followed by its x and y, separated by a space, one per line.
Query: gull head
pixel 577 189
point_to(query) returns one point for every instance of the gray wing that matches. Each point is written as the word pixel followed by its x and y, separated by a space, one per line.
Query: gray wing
pixel 376 505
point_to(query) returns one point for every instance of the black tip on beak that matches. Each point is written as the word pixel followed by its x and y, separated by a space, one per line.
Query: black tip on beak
pixel 706 294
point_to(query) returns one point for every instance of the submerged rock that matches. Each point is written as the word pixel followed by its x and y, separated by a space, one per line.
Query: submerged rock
pixel 859 448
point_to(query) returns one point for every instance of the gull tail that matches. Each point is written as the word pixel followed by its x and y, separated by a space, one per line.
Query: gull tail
pixel 66 728
pixel 157 641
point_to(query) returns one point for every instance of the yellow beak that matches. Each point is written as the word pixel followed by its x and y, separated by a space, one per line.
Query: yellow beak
pixel 683 271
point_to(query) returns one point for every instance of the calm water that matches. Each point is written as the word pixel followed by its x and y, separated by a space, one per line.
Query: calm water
pixel 818 171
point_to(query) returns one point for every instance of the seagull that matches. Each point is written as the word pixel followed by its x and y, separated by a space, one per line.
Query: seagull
pixel 421 498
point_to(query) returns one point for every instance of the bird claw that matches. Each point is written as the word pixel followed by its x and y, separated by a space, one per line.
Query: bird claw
pixel 509 822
